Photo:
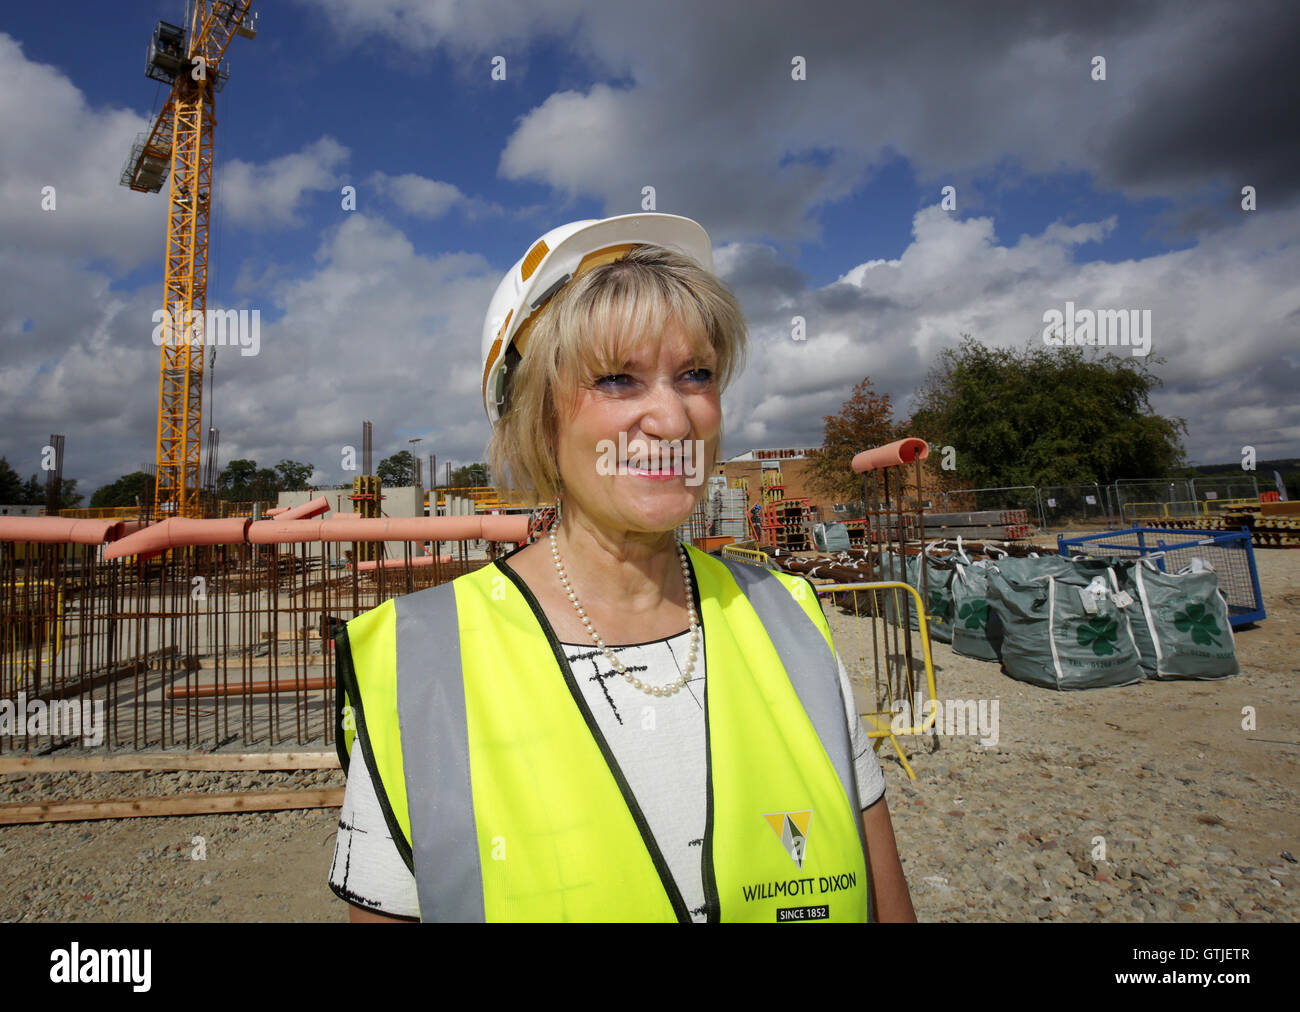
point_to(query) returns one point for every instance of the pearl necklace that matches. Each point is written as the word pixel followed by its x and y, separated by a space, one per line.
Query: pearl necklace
pixel 654 690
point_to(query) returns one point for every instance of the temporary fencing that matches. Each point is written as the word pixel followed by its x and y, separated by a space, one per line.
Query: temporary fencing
pixel 1083 505
pixel 1071 506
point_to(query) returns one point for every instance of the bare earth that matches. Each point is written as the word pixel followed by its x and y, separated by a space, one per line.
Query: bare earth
pixel 1194 812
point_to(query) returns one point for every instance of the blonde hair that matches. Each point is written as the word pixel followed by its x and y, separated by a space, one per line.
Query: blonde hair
pixel 589 329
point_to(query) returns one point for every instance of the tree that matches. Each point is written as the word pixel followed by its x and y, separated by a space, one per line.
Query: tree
pixel 11 486
pixel 293 475
pixel 865 420
pixel 15 492
pixel 397 471
pixel 469 476
pixel 236 480
pixel 265 484
pixel 69 497
pixel 125 491
pixel 1045 416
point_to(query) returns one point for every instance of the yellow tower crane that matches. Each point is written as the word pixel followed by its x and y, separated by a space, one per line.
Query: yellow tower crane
pixel 180 141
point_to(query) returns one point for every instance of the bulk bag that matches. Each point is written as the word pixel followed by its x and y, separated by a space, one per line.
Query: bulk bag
pixel 831 537
pixel 1180 621
pixel 1060 635
pixel 976 628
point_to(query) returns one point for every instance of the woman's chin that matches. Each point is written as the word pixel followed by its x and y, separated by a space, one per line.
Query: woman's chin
pixel 660 513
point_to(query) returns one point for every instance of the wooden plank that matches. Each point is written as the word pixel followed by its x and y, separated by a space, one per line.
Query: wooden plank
pixel 232 761
pixel 182 804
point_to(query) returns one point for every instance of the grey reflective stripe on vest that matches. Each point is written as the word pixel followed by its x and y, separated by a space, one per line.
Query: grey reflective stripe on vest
pixel 435 757
pixel 809 664
pixel 435 734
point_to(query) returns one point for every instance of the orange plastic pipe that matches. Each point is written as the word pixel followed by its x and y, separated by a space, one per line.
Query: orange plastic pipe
pixel 249 688
pixel 471 528
pixel 179 532
pixel 306 511
pixel 901 451
pixel 58 530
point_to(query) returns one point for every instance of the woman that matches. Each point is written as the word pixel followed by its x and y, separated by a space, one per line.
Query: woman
pixel 604 725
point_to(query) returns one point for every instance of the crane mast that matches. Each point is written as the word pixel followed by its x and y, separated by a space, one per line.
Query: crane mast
pixel 179 143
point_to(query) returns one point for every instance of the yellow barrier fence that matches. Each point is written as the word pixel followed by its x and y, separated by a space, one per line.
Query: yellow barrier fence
pixel 33 624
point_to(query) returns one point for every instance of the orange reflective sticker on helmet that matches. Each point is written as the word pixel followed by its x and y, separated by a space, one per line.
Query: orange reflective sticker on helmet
pixel 532 258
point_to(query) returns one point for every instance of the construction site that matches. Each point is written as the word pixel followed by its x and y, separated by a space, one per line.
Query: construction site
pixel 168 670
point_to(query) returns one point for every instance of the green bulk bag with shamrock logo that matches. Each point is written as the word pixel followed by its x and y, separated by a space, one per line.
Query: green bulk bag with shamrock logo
pixel 937 595
pixel 1060 635
pixel 936 591
pixel 976 628
pixel 1180 621
pixel 891 567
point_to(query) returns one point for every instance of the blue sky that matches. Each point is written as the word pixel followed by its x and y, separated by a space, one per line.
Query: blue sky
pixel 1122 193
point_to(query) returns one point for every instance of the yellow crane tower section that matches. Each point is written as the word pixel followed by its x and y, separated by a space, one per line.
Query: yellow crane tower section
pixel 180 141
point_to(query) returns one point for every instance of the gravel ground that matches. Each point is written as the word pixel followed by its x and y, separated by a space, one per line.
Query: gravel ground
pixel 1194 813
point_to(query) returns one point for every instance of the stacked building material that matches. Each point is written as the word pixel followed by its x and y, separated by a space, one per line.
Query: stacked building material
pixel 1000 525
pixel 696 525
pixel 728 513
pixel 773 487
pixel 1271 524
pixel 787 524
pixel 884 528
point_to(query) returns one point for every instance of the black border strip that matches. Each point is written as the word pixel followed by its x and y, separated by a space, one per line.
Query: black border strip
pixel 661 866
pixel 346 681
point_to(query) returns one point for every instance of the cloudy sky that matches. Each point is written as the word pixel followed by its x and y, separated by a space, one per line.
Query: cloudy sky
pixel 823 196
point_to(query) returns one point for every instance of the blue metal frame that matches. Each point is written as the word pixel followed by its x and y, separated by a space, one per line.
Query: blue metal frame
pixel 1238 615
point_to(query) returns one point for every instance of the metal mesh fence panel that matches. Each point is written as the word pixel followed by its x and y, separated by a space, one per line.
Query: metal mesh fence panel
pixel 1069 507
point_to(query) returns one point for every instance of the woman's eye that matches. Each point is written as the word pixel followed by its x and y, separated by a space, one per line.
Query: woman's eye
pixel 700 375
pixel 614 380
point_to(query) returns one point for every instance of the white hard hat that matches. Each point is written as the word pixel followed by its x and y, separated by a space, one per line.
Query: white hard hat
pixel 558 257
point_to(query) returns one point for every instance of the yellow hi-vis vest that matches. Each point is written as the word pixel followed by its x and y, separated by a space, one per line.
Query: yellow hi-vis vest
pixel 507 805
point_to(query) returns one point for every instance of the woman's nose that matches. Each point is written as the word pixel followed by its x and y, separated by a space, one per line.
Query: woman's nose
pixel 665 415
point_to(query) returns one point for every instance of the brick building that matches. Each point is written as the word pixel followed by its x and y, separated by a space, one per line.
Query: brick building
pixel 793 466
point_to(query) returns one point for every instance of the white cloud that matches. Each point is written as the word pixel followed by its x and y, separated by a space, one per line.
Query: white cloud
pixel 271 194
pixel 422 197
pixel 53 137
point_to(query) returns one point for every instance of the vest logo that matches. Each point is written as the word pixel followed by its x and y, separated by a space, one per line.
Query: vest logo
pixel 791 828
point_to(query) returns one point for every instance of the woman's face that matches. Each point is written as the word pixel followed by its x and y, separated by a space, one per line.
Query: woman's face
pixel 635 447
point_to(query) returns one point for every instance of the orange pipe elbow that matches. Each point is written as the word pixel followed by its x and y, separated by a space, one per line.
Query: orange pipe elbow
pixel 900 451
